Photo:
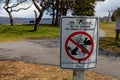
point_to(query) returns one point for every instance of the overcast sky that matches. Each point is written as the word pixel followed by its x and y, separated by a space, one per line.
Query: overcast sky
pixel 101 9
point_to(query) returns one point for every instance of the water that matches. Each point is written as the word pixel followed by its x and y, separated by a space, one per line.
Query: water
pixel 5 20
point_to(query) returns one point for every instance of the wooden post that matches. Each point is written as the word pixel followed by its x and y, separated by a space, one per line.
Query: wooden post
pixel 79 74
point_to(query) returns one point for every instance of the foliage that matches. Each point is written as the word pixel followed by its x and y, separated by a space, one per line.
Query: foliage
pixel 84 7
pixel 41 6
pixel 113 15
pixel 61 7
pixel 65 5
pixel 116 14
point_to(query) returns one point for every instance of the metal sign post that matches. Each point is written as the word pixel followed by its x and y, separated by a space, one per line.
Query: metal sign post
pixel 79 44
pixel 79 74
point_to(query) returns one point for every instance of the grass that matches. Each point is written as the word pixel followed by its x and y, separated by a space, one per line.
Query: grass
pixel 10 70
pixel 109 41
pixel 23 32
pixel 109 28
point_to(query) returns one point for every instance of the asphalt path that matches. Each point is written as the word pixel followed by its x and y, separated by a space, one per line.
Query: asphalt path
pixel 47 51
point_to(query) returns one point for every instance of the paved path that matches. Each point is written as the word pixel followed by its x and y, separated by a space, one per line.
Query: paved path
pixel 101 33
pixel 34 51
pixel 46 51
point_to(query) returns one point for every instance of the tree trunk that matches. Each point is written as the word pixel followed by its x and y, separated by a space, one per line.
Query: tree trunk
pixel 57 12
pixel 11 19
pixel 53 12
pixel 53 16
pixel 38 21
pixel 56 20
pixel 117 36
pixel 64 13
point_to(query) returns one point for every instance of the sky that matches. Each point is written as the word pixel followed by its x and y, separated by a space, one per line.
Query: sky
pixel 101 10
pixel 103 7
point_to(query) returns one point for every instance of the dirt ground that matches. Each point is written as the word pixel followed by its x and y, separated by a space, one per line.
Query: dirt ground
pixel 11 70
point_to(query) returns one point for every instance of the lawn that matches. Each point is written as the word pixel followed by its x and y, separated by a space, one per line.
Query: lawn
pixel 24 32
pixel 10 70
pixel 109 28
pixel 109 41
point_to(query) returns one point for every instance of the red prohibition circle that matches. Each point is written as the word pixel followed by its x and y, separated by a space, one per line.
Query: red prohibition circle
pixel 69 39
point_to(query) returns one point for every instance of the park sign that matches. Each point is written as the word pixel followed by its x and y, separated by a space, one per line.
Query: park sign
pixel 79 42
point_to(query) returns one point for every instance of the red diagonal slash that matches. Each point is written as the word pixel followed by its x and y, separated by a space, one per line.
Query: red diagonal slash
pixel 81 47
pixel 88 52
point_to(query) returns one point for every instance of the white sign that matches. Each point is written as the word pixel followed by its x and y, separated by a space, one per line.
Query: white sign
pixel 79 42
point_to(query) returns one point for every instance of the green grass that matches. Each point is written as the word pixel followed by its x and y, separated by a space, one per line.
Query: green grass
pixel 23 32
pixel 109 28
pixel 109 41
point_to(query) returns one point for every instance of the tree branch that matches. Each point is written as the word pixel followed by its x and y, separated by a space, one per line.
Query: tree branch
pixel 35 14
pixel 15 5
pixel 36 5
pixel 22 9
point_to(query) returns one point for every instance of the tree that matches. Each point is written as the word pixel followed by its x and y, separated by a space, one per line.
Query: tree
pixel 116 17
pixel 65 5
pixel 83 7
pixel 109 15
pixel 62 8
pixel 41 6
pixel 57 11
pixel 113 15
pixel 57 8
pixel 51 9
pixel 10 6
